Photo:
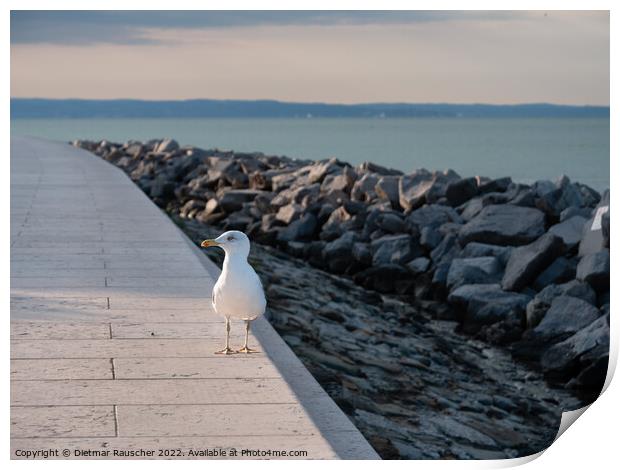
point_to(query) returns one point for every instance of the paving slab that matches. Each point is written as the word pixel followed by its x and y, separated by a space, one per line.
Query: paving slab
pixel 113 333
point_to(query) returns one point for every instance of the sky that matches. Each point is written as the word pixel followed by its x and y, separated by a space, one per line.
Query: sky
pixel 314 56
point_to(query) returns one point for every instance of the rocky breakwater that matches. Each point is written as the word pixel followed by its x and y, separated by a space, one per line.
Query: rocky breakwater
pixel 522 266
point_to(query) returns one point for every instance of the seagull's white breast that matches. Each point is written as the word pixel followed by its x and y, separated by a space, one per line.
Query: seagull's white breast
pixel 238 292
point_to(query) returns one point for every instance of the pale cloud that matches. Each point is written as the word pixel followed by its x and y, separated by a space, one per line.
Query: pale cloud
pixel 558 57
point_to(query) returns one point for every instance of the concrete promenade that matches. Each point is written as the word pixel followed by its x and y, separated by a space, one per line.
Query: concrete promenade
pixel 113 334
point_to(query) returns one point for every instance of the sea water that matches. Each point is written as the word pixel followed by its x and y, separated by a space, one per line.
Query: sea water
pixel 525 149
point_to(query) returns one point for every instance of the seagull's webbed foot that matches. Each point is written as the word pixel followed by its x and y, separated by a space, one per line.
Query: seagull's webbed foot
pixel 226 351
pixel 247 350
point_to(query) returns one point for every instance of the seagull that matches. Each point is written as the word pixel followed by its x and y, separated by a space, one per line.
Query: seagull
pixel 238 292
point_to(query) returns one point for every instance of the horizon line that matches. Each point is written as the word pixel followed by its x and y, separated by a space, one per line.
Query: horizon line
pixel 271 100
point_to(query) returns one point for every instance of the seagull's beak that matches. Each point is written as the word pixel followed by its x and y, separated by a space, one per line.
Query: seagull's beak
pixel 208 243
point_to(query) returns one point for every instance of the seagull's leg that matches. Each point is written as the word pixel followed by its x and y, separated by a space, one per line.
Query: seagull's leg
pixel 245 348
pixel 227 349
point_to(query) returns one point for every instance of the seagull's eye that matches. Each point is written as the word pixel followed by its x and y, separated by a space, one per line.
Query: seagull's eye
pixel 231 238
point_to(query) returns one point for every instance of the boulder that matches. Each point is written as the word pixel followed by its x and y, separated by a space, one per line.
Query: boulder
pixel 338 253
pixel 504 225
pixel 211 206
pixel 167 145
pixel 385 278
pixel 422 187
pixel 362 254
pixel 232 200
pixel 432 215
pixel 564 357
pixel 498 185
pixel 430 238
pixel 162 189
pixel 419 265
pixel 289 213
pixel 569 230
pixel 393 249
pixel 564 196
pixel 569 212
pixel 559 271
pixel 391 222
pixel 471 208
pixel 539 305
pixel 527 262
pixel 387 188
pixel 342 181
pixel 566 316
pixel 334 226
pixel 367 167
pixel 364 188
pixel 484 270
pixel 319 170
pixel 477 250
pixel 303 229
pixel 594 269
pixel 460 191
pixel 488 303
pixel 447 250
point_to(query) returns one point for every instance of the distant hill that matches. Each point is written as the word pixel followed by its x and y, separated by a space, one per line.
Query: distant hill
pixel 74 108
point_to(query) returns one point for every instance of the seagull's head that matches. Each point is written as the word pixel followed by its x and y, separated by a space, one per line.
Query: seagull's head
pixel 232 242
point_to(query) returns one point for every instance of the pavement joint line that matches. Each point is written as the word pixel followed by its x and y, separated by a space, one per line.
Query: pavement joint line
pixel 116 420
pixel 164 404
pixel 113 370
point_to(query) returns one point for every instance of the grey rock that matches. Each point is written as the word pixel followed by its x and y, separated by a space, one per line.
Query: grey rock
pixel 488 303
pixel 504 225
pixel 447 250
pixel 319 170
pixel 167 145
pixel 361 253
pixel 460 191
pixel 391 223
pixel 539 305
pixel 342 181
pixel 162 188
pixel 494 186
pixel 211 206
pixel 564 356
pixel 569 230
pixel 423 187
pixel 338 253
pixel 289 213
pixel 585 212
pixel 393 249
pixel 566 316
pixel 471 208
pixel 477 250
pixel 385 278
pixel 594 269
pixel 303 229
pixel 559 271
pixel 364 188
pixel 387 188
pixel 484 270
pixel 367 167
pixel 527 262
pixel 232 200
pixel 430 238
pixel 432 215
pixel 334 226
pixel 419 265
